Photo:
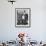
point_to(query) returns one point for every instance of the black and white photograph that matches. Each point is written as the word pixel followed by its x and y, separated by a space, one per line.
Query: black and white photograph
pixel 22 17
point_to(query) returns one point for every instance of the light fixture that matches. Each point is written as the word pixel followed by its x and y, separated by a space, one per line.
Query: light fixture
pixel 12 1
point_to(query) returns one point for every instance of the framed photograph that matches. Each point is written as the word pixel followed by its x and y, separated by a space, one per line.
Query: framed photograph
pixel 22 17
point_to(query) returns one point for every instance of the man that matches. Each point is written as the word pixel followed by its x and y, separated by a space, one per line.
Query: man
pixel 25 18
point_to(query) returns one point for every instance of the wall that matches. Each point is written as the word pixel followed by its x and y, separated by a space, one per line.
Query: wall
pixel 8 31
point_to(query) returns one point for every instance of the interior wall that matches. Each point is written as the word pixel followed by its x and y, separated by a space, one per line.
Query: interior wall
pixel 8 31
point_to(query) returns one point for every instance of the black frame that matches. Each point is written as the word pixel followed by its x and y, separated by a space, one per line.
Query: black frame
pixel 28 16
